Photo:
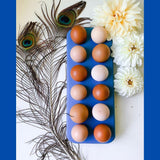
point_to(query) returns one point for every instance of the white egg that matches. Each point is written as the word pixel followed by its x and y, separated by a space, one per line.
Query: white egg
pixel 99 34
pixel 99 73
pixel 100 112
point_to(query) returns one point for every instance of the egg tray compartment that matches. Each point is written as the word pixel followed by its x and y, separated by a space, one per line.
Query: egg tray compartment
pixel 89 83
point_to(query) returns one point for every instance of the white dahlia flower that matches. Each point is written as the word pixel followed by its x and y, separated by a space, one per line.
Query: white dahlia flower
pixel 128 51
pixel 128 81
pixel 119 17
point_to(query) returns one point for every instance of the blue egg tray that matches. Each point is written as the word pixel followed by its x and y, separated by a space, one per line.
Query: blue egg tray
pixel 89 83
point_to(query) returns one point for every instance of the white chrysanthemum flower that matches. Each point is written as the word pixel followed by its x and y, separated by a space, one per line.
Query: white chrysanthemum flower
pixel 128 81
pixel 119 17
pixel 128 51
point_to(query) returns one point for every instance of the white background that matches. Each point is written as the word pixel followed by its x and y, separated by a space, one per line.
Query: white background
pixel 129 112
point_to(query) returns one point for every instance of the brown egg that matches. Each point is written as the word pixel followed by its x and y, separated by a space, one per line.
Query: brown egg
pixel 101 92
pixel 78 54
pixel 78 92
pixel 101 53
pixel 78 73
pixel 79 133
pixel 102 133
pixel 79 113
pixel 78 34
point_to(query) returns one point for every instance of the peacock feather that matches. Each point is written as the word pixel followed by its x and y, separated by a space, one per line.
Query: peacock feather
pixel 67 17
pixel 29 36
pixel 41 54
pixel 62 21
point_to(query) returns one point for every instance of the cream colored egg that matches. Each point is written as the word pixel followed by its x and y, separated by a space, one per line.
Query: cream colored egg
pixel 100 112
pixel 78 54
pixel 79 133
pixel 78 92
pixel 99 34
pixel 99 72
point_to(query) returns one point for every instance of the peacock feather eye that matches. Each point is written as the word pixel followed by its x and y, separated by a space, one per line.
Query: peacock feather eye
pixel 28 41
pixel 66 19
pixel 63 19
